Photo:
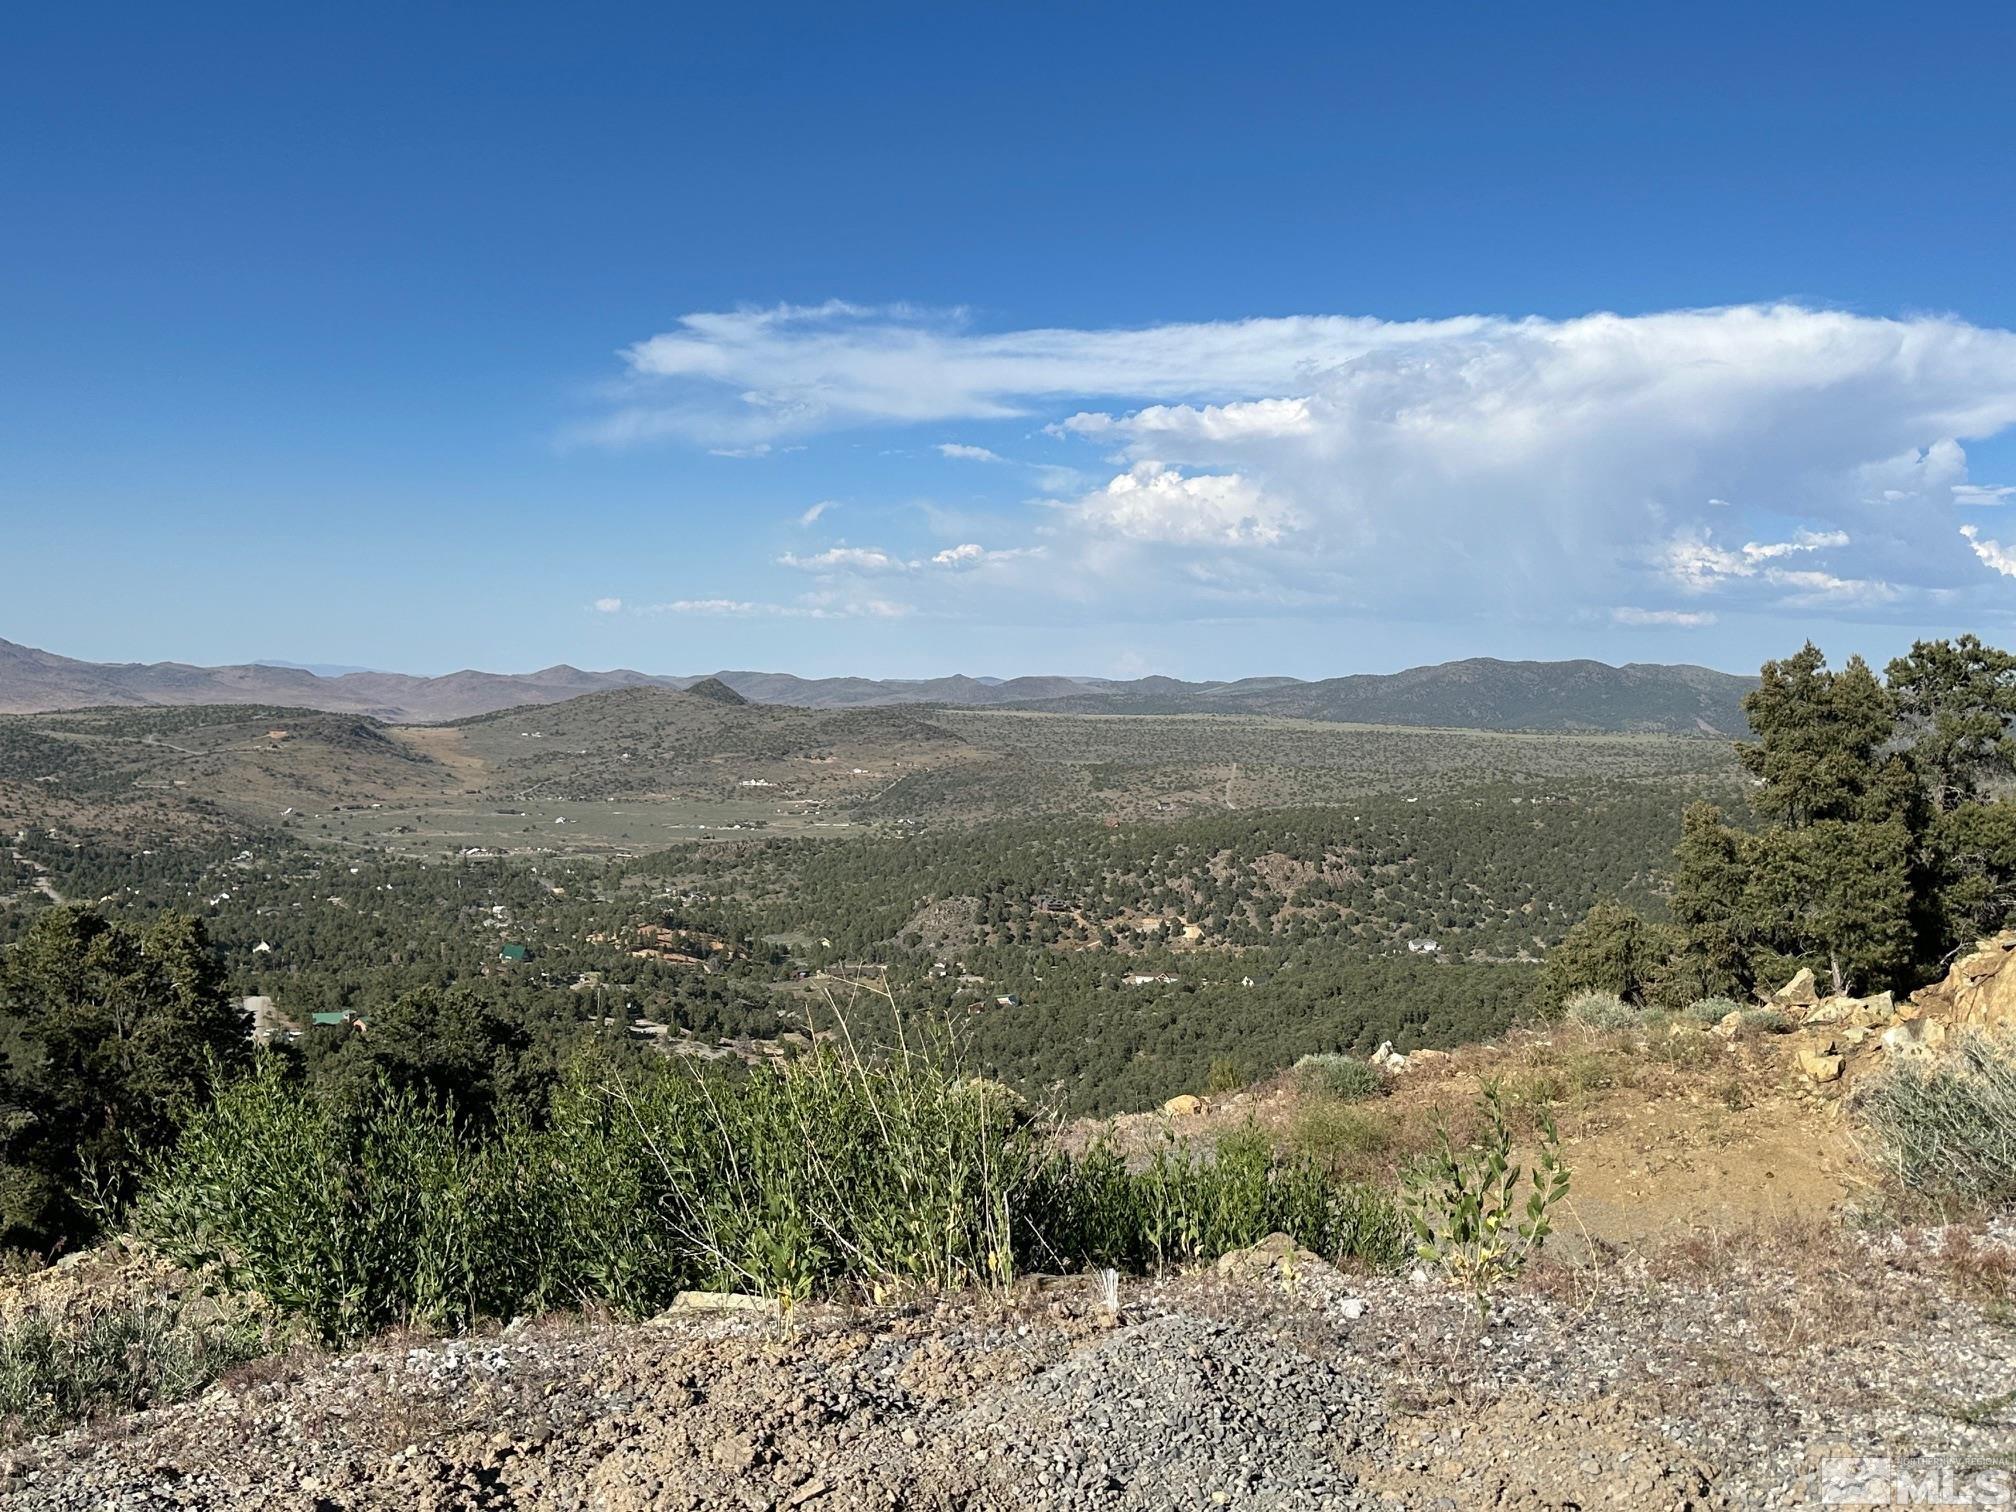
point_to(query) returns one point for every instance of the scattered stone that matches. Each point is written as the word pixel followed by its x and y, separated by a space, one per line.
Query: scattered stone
pixel 1185 1105
pixel 728 1302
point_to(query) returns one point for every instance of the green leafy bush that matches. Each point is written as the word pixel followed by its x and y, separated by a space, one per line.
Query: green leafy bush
pixel 1339 1076
pixel 1945 1126
pixel 782 1179
pixel 1465 1207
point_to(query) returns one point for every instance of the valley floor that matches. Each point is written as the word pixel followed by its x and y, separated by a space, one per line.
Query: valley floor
pixel 1717 1378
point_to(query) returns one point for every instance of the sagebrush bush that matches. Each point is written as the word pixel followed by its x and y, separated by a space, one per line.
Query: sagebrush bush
pixel 782 1179
pixel 1945 1126
pixel 1709 1011
pixel 1339 1076
pixel 1602 1010
pixel 1766 1021
pixel 115 1357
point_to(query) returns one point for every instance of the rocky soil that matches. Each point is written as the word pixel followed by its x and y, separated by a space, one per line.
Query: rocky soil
pixel 1712 1379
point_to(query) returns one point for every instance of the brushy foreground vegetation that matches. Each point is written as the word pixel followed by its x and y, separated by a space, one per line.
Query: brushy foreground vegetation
pixel 121 1356
pixel 645 1182
pixel 1945 1127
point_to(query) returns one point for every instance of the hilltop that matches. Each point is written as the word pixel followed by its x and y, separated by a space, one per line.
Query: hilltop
pixel 1481 693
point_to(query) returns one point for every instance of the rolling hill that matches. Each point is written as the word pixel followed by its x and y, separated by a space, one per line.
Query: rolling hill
pixel 1481 693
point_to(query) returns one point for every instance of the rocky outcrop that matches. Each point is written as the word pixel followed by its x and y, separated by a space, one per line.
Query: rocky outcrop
pixel 1978 993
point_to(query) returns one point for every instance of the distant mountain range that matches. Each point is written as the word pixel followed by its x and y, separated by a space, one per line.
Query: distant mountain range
pixel 1481 693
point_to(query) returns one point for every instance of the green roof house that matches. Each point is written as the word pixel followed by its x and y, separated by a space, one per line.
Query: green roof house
pixel 512 953
pixel 329 1020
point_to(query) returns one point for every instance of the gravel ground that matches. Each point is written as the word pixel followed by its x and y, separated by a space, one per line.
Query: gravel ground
pixel 1711 1384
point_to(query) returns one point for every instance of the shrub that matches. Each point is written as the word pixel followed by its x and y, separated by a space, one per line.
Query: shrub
pixel 782 1179
pixel 1335 1134
pixel 1766 1021
pixel 1465 1208
pixel 114 1358
pixel 1226 1075
pixel 1602 1010
pixel 1339 1076
pixel 1709 1011
pixel 1945 1126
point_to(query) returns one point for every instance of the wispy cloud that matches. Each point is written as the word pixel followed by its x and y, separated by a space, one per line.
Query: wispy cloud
pixel 1983 493
pixel 806 606
pixel 1685 619
pixel 960 452
pixel 608 606
pixel 812 516
pixel 847 559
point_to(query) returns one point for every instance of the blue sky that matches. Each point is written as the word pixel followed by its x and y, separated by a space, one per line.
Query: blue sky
pixel 1111 339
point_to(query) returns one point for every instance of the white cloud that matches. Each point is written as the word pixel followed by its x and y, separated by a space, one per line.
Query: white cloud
pixel 1686 619
pixel 608 606
pixel 1994 553
pixel 831 605
pixel 711 606
pixel 971 554
pixel 848 559
pixel 1692 562
pixel 1474 465
pixel 811 516
pixel 1806 540
pixel 1983 493
pixel 961 453
pixel 1152 502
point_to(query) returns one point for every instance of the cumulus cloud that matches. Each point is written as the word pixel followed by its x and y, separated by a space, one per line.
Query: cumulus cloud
pixel 1766 455
pixel 961 453
pixel 1153 502
pixel 608 606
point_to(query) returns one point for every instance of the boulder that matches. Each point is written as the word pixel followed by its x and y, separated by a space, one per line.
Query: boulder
pixel 1428 1058
pixel 1820 1066
pixel 1729 1023
pixel 1800 992
pixel 1184 1106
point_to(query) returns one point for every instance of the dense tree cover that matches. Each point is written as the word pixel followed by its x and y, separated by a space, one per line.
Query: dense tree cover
pixel 109 1037
pixel 1877 846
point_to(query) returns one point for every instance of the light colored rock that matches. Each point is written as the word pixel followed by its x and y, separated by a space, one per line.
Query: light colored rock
pixel 1184 1105
pixel 1819 1066
pixel 1729 1023
pixel 1428 1058
pixel 1800 991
